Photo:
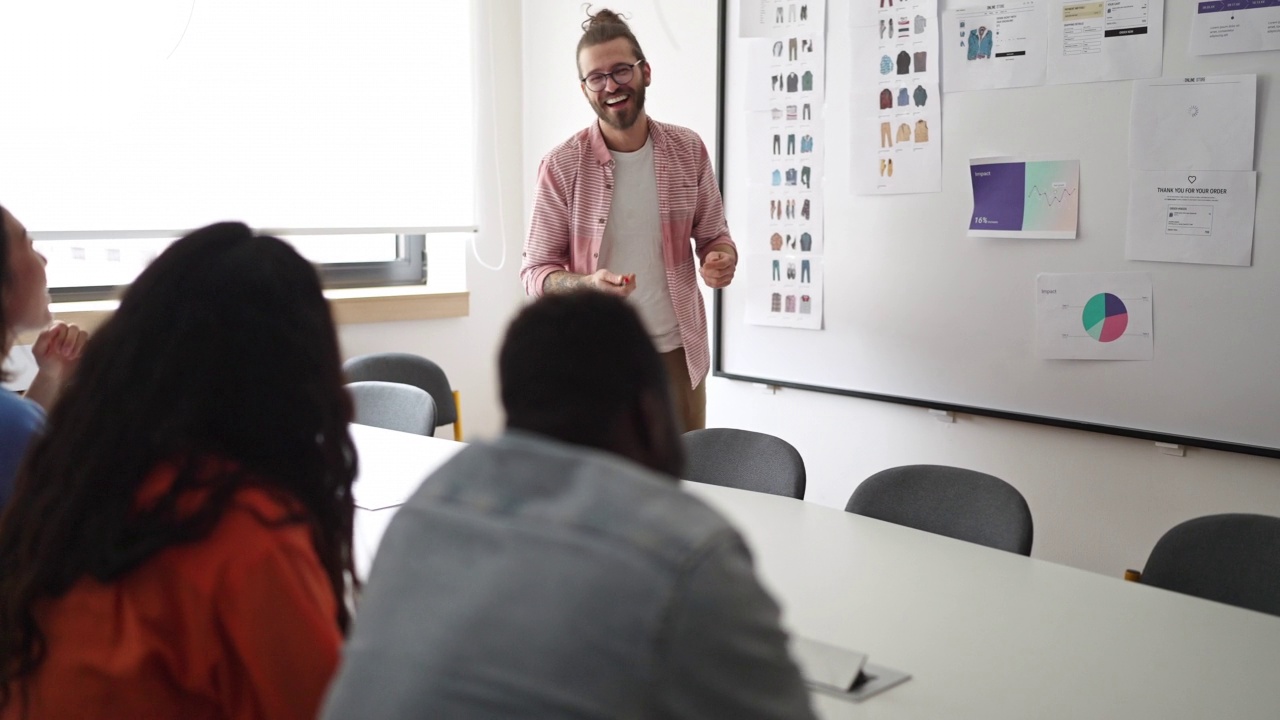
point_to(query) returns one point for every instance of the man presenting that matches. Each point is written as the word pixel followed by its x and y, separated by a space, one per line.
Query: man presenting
pixel 617 205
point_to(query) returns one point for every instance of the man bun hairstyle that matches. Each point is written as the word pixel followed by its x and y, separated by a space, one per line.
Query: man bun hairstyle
pixel 604 26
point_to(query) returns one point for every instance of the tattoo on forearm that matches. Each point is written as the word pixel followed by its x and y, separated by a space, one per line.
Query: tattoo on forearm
pixel 562 281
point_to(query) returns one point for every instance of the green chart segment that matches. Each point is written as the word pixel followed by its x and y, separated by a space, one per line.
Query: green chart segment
pixel 1105 317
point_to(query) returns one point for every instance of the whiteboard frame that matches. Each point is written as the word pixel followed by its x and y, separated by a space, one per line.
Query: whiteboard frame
pixel 719 351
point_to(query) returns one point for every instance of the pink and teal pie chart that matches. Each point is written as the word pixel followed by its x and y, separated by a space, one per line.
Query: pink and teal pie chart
pixel 1105 317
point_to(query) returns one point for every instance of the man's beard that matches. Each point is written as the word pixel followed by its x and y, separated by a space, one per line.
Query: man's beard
pixel 625 120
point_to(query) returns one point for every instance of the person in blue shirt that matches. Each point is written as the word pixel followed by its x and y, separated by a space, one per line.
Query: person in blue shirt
pixel 24 307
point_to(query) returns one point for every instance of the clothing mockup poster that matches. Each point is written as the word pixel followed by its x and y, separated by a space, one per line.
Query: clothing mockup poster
pixel 886 65
pixel 886 99
pixel 886 157
pixel 787 101
pixel 922 131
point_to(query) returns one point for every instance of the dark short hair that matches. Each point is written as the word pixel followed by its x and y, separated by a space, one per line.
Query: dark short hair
pixel 573 364
pixel 602 27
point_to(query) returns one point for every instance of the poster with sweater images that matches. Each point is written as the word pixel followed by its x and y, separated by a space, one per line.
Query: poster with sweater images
pixel 897 108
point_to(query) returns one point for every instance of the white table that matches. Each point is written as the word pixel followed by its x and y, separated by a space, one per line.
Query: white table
pixel 392 465
pixel 984 633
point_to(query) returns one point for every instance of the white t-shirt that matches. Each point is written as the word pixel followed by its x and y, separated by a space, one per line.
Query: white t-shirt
pixel 633 244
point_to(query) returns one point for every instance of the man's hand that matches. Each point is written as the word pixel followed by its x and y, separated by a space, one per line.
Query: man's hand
pixel 602 280
pixel 612 283
pixel 718 268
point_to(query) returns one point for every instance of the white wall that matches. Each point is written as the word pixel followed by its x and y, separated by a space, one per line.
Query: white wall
pixel 1100 502
pixel 467 347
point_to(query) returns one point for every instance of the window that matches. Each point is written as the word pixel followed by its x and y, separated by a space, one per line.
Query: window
pixel 345 126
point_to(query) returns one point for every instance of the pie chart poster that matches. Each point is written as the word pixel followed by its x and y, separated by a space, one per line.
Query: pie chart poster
pixel 1094 316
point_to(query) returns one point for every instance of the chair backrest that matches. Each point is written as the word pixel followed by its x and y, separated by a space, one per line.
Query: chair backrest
pixel 744 459
pixel 956 502
pixel 1232 558
pixel 409 369
pixel 394 406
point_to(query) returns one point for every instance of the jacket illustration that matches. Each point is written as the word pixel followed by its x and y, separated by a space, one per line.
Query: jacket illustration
pixel 980 42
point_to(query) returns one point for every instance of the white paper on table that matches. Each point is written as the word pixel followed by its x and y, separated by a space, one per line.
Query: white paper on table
pixel 1201 217
pixel 1094 316
pixel 1222 27
pixel 1098 40
pixel 784 289
pixel 1201 123
pixel 996 45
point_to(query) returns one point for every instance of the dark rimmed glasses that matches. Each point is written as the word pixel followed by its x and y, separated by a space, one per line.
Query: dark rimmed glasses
pixel 596 82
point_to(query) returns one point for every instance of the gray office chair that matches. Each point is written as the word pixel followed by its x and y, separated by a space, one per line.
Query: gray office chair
pixel 745 460
pixel 959 503
pixel 1232 558
pixel 413 370
pixel 394 406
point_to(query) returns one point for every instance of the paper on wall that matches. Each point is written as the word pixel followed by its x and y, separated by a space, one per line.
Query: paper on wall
pixel 995 45
pixel 1094 316
pixel 1098 40
pixel 1195 123
pixel 1200 217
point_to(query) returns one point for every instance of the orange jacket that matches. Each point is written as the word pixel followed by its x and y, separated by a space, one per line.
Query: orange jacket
pixel 241 625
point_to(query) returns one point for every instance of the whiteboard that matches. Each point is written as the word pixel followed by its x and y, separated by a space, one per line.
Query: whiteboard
pixel 916 312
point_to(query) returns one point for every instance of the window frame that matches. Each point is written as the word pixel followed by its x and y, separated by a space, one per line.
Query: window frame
pixel 409 267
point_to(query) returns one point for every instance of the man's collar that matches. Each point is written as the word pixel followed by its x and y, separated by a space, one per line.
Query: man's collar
pixel 601 150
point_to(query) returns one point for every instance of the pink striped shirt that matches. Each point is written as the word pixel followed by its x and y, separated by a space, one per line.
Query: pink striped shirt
pixel 571 207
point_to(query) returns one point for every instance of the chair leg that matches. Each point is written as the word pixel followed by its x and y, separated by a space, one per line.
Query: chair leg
pixel 457 424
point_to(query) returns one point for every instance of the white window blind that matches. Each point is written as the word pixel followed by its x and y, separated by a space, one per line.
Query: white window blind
pixel 138 117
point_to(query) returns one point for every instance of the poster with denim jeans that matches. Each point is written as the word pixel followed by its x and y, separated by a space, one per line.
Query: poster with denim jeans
pixel 780 252
pixel 784 290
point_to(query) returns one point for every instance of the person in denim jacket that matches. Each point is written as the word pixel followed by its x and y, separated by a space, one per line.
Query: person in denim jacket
pixel 560 571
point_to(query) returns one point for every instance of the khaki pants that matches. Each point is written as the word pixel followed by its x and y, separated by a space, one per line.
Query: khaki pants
pixel 690 402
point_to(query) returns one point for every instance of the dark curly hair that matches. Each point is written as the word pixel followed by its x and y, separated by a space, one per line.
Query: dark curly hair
pixel 223 348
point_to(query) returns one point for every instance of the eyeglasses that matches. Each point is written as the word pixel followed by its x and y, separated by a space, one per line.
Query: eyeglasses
pixel 621 76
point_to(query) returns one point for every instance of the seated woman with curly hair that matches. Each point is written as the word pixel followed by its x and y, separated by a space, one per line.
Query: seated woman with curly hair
pixel 178 544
